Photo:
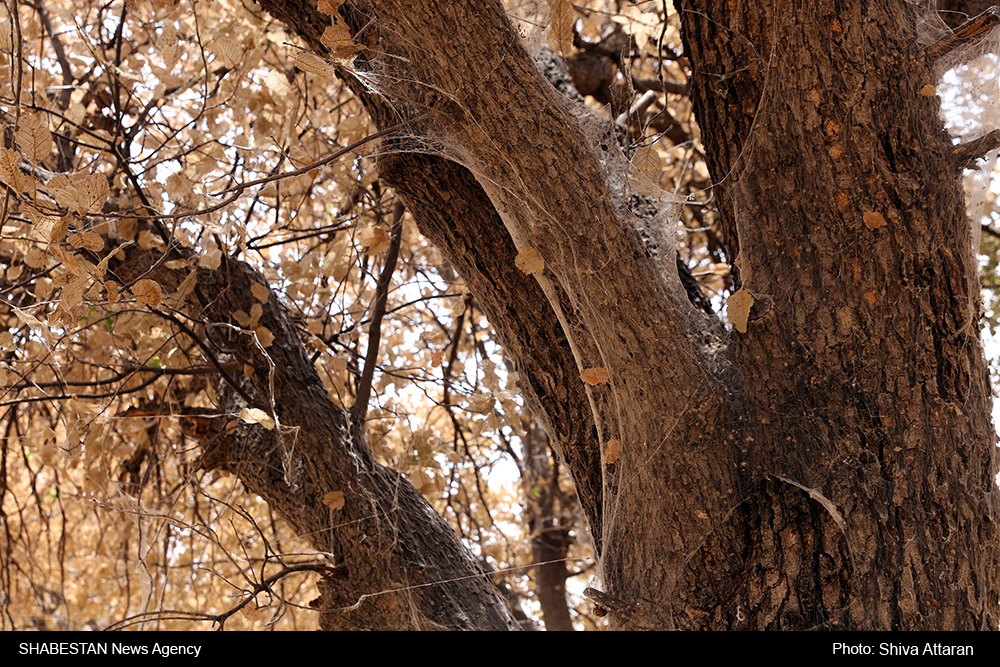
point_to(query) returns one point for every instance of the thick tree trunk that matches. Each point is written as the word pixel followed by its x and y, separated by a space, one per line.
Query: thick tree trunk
pixel 830 467
pixel 861 370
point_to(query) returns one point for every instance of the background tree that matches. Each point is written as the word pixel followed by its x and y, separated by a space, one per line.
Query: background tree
pixel 187 287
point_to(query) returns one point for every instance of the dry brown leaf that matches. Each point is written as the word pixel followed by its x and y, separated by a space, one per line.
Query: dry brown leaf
pixel 52 227
pixel 29 320
pixel 210 259
pixel 338 39
pixel 334 500
pixel 128 228
pixel 34 258
pixel 10 170
pixel 257 416
pixel 64 190
pixel 329 7
pixel 229 50
pixel 186 286
pixel 595 376
pixel 112 289
pixel 72 294
pixel 93 192
pixel 928 91
pixel 88 240
pixel 375 239
pixel 170 48
pixel 308 62
pixel 260 292
pixel 874 220
pixel 739 305
pixel 437 358
pixel 647 166
pixel 33 138
pixel 528 260
pixel 147 292
pixel 242 318
pixel 59 228
pixel 256 312
pixel 69 260
pixel 561 26
pixel 612 451
pixel 265 336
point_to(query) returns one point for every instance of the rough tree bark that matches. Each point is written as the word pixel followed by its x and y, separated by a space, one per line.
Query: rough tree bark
pixel 831 467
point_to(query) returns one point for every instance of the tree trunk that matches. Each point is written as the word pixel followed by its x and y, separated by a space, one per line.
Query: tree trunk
pixel 861 371
pixel 830 467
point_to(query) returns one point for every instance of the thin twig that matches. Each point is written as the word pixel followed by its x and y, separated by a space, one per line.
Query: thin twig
pixel 360 408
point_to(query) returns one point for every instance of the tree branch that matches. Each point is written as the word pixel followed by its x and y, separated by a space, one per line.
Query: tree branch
pixel 966 154
pixel 969 31
pixel 360 408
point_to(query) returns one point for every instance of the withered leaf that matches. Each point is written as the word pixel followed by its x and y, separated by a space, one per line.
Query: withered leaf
pixel 595 376
pixel 210 259
pixel 256 311
pixel 265 336
pixel 93 192
pixel 308 62
pixel 375 238
pixel 112 289
pixel 647 166
pixel 330 7
pixel 257 416
pixel 561 30
pixel 88 240
pixel 338 39
pixel 33 137
pixel 127 228
pixel 186 286
pixel 739 305
pixel 242 318
pixel 334 500
pixel 260 292
pixel 612 451
pixel 874 220
pixel 528 260
pixel 147 292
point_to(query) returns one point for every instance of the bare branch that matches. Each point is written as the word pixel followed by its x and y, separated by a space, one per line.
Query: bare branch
pixel 360 408
pixel 966 154
pixel 968 32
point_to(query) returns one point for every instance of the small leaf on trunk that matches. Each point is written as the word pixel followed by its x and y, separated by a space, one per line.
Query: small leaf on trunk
pixel 739 309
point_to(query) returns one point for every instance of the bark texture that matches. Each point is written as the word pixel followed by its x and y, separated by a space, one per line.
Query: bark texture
pixel 861 370
pixel 830 467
